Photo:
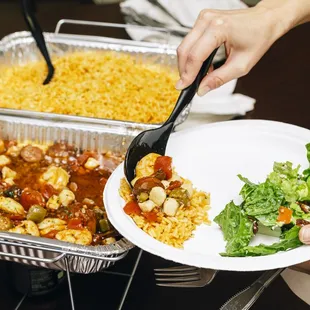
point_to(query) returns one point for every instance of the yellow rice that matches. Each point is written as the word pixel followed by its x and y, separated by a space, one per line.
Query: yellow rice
pixel 93 84
pixel 175 230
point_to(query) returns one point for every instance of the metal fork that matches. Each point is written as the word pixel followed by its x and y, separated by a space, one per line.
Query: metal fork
pixel 184 276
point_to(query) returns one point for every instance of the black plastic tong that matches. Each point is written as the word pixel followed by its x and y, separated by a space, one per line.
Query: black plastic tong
pixel 29 10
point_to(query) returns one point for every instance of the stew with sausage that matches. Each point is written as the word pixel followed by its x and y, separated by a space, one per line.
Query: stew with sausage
pixel 56 192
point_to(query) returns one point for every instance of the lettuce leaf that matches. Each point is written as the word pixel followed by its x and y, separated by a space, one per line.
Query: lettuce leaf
pixel 288 179
pixel 248 187
pixel 286 169
pixel 290 240
pixel 298 213
pixel 269 220
pixel 306 173
pixel 266 198
pixel 236 227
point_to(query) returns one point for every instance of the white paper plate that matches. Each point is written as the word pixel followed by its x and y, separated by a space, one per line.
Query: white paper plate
pixel 211 156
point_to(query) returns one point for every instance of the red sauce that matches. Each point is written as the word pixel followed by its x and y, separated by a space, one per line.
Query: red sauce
pixel 174 184
pixel 164 163
pixel 14 217
pixel 132 207
pixel 82 159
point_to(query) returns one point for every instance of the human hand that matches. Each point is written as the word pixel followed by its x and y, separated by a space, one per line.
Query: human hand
pixel 247 35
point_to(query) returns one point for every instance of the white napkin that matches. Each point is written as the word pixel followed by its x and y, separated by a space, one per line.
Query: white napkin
pixel 185 11
pixel 222 101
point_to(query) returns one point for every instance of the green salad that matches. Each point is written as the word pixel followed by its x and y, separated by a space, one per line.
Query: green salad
pixel 278 207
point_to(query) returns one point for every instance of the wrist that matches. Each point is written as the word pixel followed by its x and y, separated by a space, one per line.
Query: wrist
pixel 285 14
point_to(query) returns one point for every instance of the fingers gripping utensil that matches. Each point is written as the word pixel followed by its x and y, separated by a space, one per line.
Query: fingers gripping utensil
pixel 155 140
pixel 29 9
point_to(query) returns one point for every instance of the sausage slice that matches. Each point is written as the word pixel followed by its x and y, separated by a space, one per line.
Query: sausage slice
pixel 31 154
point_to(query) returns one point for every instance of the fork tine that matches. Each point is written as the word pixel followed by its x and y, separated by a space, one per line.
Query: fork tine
pixel 178 279
pixel 177 268
pixel 176 274
pixel 181 284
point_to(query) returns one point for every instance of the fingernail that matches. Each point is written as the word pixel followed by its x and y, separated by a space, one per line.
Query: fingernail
pixel 203 90
pixel 304 235
pixel 179 85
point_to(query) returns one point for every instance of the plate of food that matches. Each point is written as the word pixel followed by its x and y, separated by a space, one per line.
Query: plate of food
pixel 227 196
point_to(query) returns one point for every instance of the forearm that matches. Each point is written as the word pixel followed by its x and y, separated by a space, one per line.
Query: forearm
pixel 288 13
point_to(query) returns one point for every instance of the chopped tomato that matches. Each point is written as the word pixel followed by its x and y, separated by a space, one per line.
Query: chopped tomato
pixel 164 163
pixel 150 216
pixel 75 224
pixel 132 207
pixel 174 184
pixel 31 197
pixel 47 190
pixel 51 234
pixel 285 215
pixel 82 159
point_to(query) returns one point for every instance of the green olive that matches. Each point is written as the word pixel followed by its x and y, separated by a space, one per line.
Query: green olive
pixel 104 225
pixel 181 195
pixel 143 197
pixel 36 214
pixel 5 223
pixel 98 213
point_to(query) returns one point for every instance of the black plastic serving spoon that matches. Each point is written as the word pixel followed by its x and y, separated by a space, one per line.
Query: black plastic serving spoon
pixel 155 140
pixel 29 9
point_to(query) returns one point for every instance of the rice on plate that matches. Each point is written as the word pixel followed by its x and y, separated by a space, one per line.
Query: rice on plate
pixel 163 204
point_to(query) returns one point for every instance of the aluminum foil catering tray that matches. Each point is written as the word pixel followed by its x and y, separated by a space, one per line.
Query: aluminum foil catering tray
pixel 55 254
pixel 19 48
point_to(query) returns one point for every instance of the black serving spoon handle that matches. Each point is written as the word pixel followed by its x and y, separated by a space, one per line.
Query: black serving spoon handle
pixel 28 10
pixel 188 93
